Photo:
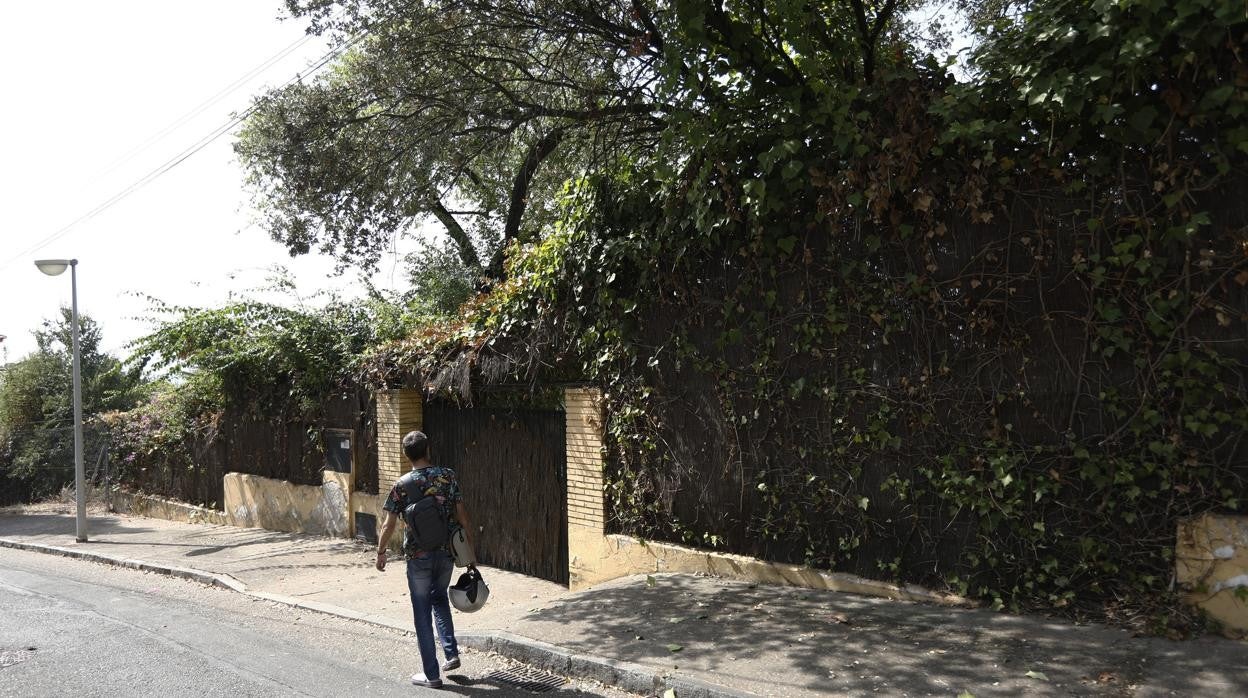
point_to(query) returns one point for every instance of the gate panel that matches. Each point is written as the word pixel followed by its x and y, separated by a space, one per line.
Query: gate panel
pixel 511 465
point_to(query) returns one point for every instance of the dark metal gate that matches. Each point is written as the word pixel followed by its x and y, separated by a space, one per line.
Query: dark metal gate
pixel 512 467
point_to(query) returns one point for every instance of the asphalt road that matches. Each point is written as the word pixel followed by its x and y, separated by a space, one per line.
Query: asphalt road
pixel 69 627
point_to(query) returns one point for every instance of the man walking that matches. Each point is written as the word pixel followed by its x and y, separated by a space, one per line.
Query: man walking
pixel 428 571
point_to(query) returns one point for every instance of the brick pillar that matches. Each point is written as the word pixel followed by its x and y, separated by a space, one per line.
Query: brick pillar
pixel 398 412
pixel 585 460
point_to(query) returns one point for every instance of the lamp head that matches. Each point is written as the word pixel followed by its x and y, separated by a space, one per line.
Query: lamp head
pixel 54 267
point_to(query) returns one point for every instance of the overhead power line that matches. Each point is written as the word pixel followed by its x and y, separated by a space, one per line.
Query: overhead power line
pixel 180 157
pixel 205 105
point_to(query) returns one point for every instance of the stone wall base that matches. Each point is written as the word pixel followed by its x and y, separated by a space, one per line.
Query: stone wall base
pixel 595 558
pixel 154 507
pixel 252 501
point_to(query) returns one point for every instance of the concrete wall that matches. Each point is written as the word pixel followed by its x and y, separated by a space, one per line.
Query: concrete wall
pixel 252 501
pixel 612 556
pixel 365 503
pixel 162 508
pixel 258 502
pixel 1211 566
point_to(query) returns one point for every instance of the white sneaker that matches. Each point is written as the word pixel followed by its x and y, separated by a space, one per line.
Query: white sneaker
pixel 451 663
pixel 420 680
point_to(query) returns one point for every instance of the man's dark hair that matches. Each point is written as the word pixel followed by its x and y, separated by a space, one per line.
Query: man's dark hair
pixel 415 445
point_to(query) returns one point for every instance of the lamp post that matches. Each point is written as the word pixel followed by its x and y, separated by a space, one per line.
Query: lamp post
pixel 54 267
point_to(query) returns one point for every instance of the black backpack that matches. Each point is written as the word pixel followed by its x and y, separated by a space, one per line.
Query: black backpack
pixel 427 527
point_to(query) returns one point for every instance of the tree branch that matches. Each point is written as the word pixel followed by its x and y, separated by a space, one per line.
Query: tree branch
pixel 643 15
pixel 538 152
pixel 869 33
pixel 467 252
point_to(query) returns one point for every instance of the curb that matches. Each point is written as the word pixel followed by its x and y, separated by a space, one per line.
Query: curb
pixel 211 579
pixel 626 676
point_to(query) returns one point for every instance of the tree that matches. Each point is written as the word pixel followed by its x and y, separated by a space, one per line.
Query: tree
pixel 264 358
pixel 440 281
pixel 475 113
pixel 451 111
pixel 36 405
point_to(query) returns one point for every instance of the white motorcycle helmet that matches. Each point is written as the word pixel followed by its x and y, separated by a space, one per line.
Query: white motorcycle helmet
pixel 461 553
pixel 470 592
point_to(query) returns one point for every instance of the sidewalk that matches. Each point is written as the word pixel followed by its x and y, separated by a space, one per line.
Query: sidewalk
pixel 698 635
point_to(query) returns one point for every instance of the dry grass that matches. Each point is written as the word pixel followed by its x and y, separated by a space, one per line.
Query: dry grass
pixel 63 502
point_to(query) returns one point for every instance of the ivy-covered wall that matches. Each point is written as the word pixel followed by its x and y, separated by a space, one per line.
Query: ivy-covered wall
pixel 1022 408
pixel 252 387
pixel 988 333
pixel 162 449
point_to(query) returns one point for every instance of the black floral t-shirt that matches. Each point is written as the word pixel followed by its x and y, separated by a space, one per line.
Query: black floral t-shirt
pixel 433 481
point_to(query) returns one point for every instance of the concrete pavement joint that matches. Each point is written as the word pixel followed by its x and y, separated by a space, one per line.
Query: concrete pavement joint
pixel 627 676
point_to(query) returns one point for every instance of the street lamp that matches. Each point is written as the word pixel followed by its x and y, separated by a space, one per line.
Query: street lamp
pixel 54 267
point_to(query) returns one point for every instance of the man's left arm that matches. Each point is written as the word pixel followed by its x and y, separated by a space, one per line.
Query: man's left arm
pixel 460 513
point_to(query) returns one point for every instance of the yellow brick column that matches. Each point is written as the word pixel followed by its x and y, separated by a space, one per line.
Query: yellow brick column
pixel 398 412
pixel 586 519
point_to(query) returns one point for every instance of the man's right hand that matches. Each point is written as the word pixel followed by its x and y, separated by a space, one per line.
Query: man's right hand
pixel 381 560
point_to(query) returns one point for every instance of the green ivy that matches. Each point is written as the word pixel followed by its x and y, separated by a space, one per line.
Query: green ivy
pixel 986 334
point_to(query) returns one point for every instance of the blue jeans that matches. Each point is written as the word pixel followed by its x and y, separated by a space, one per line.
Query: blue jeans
pixel 427 579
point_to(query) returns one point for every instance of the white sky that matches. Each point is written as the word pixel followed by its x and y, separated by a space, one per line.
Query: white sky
pixel 82 84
